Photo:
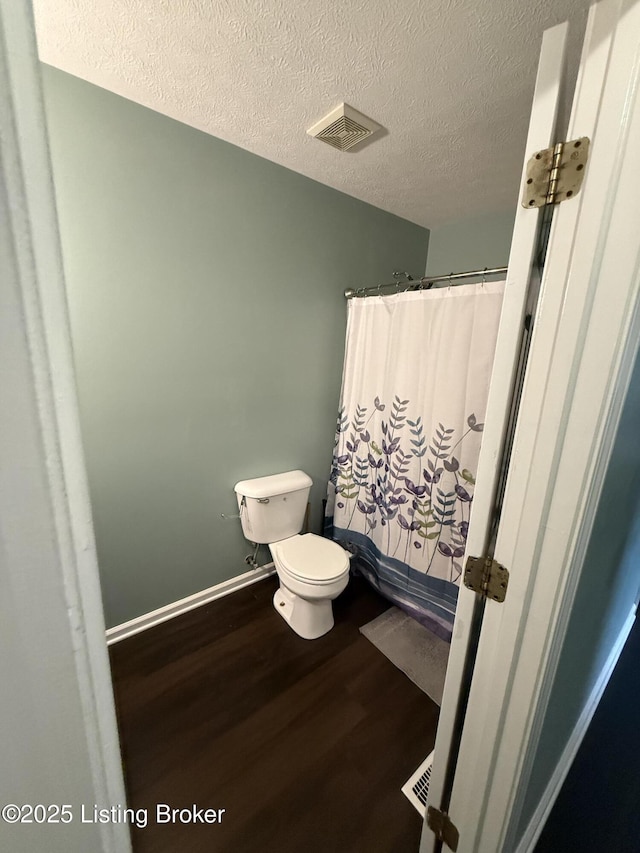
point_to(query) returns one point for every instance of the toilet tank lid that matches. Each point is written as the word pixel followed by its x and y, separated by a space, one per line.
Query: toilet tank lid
pixel 275 484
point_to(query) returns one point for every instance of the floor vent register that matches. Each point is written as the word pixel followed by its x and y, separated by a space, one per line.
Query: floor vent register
pixel 416 788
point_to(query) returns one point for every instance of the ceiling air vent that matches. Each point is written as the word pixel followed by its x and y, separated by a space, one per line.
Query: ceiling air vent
pixel 344 128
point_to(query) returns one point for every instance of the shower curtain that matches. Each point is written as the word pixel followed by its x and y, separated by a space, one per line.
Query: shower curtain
pixel 416 378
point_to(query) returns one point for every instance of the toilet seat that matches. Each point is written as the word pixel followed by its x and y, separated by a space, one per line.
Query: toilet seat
pixel 311 558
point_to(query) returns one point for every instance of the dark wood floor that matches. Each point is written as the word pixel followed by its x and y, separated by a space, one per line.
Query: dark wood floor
pixel 305 744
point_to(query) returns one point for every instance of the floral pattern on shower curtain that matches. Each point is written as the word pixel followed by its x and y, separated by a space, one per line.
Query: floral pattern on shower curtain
pixel 415 384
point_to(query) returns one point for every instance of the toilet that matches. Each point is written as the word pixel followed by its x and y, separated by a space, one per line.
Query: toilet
pixel 312 570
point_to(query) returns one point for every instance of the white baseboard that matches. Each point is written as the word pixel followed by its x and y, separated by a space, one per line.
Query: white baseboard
pixel 539 818
pixel 176 608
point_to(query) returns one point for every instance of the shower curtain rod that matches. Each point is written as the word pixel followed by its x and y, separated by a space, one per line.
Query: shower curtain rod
pixel 423 283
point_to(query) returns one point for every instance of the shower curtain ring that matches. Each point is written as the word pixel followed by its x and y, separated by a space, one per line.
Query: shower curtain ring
pixel 484 276
pixel 450 277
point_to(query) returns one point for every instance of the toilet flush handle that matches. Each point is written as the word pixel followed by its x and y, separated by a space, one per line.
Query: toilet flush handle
pixel 263 500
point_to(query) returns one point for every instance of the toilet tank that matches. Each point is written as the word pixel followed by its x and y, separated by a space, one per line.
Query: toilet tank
pixel 273 508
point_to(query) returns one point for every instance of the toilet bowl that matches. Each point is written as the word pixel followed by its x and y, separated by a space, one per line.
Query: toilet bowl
pixel 312 572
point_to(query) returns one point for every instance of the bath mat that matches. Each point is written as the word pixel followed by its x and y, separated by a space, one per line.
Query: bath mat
pixel 412 648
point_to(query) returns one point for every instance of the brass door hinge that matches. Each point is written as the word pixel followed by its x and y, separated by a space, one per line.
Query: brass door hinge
pixel 555 174
pixel 486 576
pixel 440 823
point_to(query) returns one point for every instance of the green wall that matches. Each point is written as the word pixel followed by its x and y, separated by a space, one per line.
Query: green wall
pixel 608 590
pixel 205 289
pixel 471 244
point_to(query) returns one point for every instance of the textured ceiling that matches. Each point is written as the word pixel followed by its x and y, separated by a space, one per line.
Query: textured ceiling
pixel 450 80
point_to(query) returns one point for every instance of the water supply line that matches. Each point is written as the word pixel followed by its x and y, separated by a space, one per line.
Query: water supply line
pixel 251 559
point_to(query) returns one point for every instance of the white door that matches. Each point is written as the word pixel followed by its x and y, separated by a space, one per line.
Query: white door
pixel 584 343
pixel 511 340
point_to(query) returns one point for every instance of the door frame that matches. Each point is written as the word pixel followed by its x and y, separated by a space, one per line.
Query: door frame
pixel 55 638
pixel 584 345
pixel 580 367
